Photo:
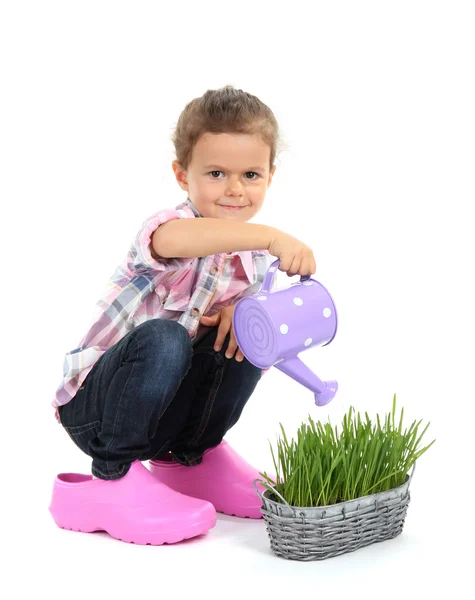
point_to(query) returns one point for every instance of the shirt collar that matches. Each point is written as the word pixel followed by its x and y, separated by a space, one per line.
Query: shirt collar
pixel 245 255
pixel 193 208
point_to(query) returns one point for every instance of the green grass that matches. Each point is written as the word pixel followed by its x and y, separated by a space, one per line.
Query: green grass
pixel 325 466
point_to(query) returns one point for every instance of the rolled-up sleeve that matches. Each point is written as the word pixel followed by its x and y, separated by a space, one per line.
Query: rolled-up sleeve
pixel 141 259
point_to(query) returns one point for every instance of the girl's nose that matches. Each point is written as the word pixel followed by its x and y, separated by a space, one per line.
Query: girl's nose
pixel 234 187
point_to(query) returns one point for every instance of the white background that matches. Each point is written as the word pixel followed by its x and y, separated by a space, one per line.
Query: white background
pixel 376 105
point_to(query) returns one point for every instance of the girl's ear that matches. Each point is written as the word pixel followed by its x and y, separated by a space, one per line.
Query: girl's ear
pixel 271 174
pixel 180 175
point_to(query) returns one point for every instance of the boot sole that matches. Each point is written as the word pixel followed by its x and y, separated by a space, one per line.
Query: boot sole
pixel 144 539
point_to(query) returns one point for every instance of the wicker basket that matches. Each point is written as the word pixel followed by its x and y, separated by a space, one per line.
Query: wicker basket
pixel 321 532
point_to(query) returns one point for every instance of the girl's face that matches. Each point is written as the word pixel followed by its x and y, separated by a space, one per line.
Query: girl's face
pixel 227 170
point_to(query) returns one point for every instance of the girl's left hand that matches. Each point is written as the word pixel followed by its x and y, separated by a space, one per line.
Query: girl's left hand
pixel 224 318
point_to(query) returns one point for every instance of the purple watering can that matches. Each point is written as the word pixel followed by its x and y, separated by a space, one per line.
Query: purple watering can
pixel 272 328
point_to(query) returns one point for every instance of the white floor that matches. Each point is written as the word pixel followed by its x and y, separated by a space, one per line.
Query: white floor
pixel 234 557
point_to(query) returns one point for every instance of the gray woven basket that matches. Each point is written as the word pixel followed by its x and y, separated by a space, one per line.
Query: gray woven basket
pixel 317 533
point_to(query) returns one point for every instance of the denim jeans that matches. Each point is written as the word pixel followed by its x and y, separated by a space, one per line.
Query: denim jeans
pixel 153 392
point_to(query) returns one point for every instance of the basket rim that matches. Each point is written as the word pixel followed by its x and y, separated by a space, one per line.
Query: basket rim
pixel 406 483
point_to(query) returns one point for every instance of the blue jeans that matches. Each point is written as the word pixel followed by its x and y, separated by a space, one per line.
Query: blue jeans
pixel 153 392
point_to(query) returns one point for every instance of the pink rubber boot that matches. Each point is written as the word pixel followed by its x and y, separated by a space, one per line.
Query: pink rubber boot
pixel 135 508
pixel 222 478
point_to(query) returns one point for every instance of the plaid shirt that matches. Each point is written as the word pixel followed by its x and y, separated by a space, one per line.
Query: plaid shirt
pixel 146 287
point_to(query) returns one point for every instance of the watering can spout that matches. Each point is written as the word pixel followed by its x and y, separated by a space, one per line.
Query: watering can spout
pixel 324 390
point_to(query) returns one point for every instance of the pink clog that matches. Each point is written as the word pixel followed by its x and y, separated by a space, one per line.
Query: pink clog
pixel 222 478
pixel 135 508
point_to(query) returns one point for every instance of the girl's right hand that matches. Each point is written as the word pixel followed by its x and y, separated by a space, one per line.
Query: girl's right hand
pixel 296 258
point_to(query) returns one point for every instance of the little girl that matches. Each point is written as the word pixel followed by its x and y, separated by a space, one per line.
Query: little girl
pixel 159 376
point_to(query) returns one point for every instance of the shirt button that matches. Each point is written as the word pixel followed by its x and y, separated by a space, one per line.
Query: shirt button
pixel 214 270
pixel 195 312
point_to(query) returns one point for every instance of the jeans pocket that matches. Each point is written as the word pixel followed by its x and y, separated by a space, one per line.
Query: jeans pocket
pixel 83 434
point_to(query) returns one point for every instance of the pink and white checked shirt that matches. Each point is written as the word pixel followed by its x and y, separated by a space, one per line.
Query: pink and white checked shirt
pixel 143 288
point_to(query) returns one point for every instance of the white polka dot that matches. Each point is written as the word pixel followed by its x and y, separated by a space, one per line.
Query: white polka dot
pixel 298 301
pixel 307 283
pixel 327 312
pixel 284 328
pixel 262 297
pixel 308 341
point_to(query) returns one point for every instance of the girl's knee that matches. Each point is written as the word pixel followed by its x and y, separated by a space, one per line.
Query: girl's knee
pixel 165 339
pixel 164 331
pixel 246 369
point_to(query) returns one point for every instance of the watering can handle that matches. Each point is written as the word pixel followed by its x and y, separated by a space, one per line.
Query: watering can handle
pixel 268 279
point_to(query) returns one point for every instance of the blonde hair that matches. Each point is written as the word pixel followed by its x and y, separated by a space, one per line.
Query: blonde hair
pixel 226 110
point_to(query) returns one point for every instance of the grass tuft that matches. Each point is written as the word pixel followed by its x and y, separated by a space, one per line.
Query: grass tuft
pixel 324 466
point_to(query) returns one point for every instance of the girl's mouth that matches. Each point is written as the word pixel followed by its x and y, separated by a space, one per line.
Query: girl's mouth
pixel 232 208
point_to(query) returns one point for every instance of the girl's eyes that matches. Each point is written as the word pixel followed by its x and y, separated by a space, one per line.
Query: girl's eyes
pixel 248 173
